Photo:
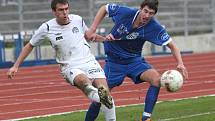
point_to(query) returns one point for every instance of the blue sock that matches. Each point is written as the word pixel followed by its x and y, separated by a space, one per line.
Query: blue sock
pixel 93 111
pixel 150 101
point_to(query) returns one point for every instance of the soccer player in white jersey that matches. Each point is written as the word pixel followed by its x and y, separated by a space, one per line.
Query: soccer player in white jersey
pixel 78 66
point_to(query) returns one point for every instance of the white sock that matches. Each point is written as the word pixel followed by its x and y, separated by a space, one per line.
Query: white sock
pixel 110 114
pixel 147 114
pixel 92 93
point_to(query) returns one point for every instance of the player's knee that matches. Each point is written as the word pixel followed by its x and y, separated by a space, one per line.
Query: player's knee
pixel 101 83
pixel 81 81
pixel 156 81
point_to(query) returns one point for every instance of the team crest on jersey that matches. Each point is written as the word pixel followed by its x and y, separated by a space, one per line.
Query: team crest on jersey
pixel 75 30
pixel 164 36
pixel 113 7
pixel 133 35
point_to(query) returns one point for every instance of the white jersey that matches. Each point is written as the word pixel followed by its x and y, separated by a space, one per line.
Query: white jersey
pixel 68 40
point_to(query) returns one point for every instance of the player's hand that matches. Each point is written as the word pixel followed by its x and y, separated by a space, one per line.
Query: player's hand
pixel 183 70
pixel 110 37
pixel 89 34
pixel 12 72
pixel 93 37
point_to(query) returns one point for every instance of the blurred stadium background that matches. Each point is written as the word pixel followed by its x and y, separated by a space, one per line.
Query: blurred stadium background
pixel 190 22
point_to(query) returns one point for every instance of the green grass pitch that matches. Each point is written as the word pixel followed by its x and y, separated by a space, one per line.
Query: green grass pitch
pixel 193 109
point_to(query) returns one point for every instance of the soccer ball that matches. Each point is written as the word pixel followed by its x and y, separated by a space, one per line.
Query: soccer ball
pixel 172 80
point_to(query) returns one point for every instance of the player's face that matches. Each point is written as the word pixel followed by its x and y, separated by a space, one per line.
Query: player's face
pixel 61 13
pixel 146 14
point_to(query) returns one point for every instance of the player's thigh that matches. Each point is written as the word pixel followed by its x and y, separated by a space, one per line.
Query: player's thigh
pixel 76 76
pixel 115 73
pixel 136 69
pixel 81 80
pixel 96 74
pixel 151 75
pixel 94 71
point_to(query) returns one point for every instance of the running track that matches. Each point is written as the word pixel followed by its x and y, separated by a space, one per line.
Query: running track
pixel 41 90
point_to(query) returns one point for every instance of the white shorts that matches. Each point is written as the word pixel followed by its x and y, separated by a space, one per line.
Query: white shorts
pixel 91 69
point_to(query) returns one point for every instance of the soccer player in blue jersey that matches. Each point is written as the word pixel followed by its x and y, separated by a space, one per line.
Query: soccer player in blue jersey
pixel 132 28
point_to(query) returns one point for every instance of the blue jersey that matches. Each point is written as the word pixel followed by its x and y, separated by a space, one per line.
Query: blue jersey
pixel 130 41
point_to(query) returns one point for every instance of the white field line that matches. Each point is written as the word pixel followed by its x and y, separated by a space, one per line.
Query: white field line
pixel 195 97
pixel 56 114
pixel 51 108
pixel 187 116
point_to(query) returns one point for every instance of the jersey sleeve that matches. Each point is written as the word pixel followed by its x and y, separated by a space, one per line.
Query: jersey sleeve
pixel 85 28
pixel 112 9
pixel 39 35
pixel 158 35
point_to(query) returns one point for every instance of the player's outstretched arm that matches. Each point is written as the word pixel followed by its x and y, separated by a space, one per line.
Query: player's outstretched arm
pixel 95 37
pixel 25 52
pixel 176 53
pixel 98 38
pixel 97 20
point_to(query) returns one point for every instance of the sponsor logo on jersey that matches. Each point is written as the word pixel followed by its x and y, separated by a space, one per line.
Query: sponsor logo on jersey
pixel 133 35
pixel 59 38
pixel 91 71
pixel 122 29
pixel 75 30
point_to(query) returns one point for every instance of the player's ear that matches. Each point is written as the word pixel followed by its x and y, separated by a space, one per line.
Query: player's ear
pixel 53 11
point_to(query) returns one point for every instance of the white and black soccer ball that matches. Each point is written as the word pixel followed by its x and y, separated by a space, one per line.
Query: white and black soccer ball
pixel 172 80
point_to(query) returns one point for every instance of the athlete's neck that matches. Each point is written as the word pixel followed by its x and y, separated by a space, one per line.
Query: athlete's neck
pixel 137 22
pixel 62 23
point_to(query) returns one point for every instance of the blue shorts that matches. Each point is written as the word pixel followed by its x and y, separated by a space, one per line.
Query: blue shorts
pixel 116 73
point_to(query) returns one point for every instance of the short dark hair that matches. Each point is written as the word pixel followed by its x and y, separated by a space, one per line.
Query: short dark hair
pixel 55 2
pixel 152 4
